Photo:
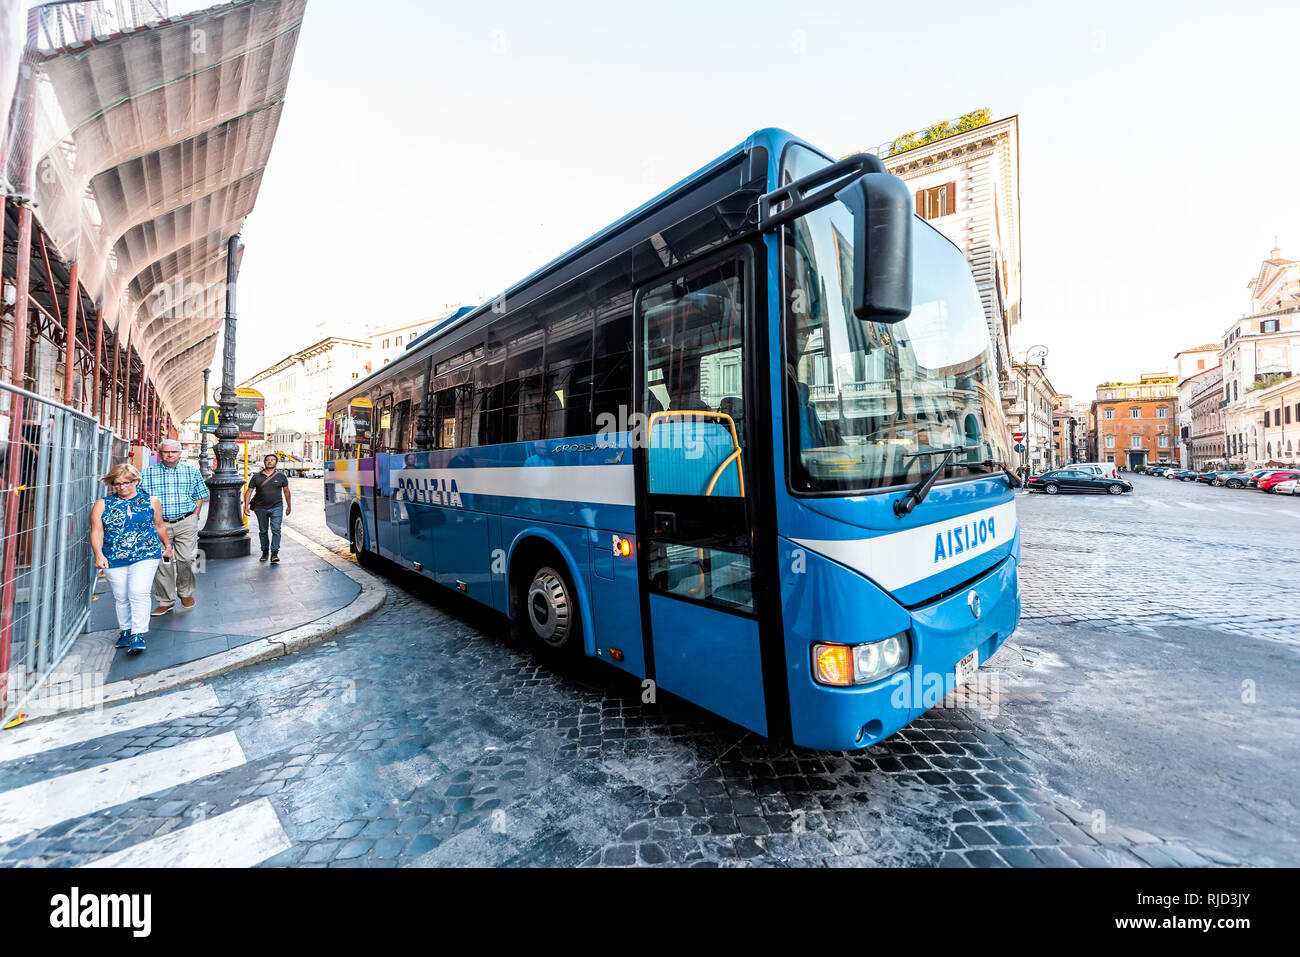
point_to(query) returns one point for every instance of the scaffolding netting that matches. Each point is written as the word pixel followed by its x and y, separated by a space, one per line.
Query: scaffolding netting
pixel 141 133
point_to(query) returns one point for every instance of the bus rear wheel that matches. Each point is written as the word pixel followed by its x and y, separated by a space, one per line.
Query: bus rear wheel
pixel 548 609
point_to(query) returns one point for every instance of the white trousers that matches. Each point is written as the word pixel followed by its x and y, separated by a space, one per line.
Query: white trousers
pixel 132 587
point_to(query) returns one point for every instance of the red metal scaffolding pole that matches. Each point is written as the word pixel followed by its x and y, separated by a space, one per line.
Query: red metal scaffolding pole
pixel 70 329
pixel 13 476
pixel 96 395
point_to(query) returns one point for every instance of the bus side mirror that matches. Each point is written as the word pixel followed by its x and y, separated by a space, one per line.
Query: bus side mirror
pixel 882 246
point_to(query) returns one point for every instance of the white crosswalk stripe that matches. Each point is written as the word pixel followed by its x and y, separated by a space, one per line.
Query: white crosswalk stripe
pixel 46 803
pixel 38 736
pixel 243 837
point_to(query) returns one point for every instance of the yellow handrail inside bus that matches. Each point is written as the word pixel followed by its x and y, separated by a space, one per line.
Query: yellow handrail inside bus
pixel 735 441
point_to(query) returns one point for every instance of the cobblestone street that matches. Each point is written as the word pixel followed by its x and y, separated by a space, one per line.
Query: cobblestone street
pixel 1143 714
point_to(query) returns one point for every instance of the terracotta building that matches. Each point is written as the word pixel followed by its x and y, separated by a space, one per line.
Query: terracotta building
pixel 1136 420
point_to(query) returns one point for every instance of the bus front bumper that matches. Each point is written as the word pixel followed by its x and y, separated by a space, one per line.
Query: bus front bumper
pixel 942 635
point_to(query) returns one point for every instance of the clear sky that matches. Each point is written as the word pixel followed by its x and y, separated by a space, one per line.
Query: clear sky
pixel 437 152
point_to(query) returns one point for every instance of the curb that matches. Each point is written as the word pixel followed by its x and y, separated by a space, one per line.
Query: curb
pixel 371 598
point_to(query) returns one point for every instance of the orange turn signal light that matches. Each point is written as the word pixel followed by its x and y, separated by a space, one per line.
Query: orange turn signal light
pixel 834 664
pixel 622 547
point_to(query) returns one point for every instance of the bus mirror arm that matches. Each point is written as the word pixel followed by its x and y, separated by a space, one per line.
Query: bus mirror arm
pixel 799 197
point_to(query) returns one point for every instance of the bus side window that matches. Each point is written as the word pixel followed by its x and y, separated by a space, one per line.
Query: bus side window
pixel 612 370
pixel 489 393
pixel 567 394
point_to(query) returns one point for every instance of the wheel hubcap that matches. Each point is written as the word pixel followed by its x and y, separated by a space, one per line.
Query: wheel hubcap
pixel 548 607
pixel 358 536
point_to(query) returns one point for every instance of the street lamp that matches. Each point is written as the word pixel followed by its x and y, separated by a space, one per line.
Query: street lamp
pixel 203 436
pixel 225 535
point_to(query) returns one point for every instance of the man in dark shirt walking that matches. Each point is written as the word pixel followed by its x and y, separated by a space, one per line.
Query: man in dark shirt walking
pixel 264 490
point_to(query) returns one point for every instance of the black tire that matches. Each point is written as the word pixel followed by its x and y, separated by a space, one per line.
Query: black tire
pixel 546 609
pixel 1114 489
pixel 1051 488
pixel 1234 483
pixel 358 538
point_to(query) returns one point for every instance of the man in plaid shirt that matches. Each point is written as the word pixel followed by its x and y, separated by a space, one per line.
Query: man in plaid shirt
pixel 181 490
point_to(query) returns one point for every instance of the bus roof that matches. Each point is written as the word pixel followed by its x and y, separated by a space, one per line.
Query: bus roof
pixel 771 141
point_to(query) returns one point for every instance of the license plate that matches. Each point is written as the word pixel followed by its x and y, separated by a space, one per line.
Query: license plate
pixel 967 667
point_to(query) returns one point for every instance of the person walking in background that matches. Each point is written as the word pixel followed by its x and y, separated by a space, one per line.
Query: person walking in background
pixel 180 488
pixel 264 490
pixel 128 537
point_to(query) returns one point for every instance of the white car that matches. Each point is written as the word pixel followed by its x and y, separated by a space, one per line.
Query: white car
pixel 1100 469
pixel 1286 488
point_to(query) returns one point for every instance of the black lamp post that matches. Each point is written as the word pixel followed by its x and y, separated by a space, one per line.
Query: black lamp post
pixel 224 535
pixel 203 436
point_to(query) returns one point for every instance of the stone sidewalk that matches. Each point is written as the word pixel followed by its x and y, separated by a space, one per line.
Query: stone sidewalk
pixel 246 611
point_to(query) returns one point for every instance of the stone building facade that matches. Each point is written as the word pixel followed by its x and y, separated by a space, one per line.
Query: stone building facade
pixel 1136 421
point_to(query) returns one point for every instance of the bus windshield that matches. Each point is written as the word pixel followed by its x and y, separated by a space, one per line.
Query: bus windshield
pixel 874 405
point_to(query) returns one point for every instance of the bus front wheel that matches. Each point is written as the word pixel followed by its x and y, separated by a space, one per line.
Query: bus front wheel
pixel 358 537
pixel 549 610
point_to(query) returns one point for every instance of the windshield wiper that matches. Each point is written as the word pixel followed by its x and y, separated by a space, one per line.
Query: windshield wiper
pixel 916 495
pixel 1011 476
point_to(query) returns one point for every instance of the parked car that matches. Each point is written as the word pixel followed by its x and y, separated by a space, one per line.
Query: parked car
pixel 1156 470
pixel 1171 473
pixel 1186 475
pixel 1287 487
pixel 1253 481
pixel 1269 483
pixel 1104 469
pixel 1076 480
pixel 1215 476
pixel 1232 479
pixel 314 473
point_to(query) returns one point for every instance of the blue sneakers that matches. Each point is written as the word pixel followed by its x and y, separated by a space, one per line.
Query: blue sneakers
pixel 123 638
pixel 137 644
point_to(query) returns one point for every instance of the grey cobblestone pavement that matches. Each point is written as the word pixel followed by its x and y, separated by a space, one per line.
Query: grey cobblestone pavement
pixel 1114 732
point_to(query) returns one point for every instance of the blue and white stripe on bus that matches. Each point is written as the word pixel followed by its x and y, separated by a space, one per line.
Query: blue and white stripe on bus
pixel 460 487
pixel 896 559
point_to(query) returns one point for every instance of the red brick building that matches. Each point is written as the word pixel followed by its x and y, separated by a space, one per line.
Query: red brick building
pixel 1136 420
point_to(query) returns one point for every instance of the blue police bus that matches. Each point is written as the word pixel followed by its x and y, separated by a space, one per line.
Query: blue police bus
pixel 745 443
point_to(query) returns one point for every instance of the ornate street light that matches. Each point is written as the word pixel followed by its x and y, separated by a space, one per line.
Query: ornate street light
pixel 225 535
pixel 203 436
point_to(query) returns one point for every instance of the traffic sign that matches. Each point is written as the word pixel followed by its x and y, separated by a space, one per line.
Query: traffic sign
pixel 1017 436
pixel 1019 447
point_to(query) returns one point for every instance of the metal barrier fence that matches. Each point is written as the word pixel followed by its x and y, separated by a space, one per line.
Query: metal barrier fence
pixel 51 459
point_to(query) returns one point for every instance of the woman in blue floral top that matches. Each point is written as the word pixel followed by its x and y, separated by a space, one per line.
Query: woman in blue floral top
pixel 129 537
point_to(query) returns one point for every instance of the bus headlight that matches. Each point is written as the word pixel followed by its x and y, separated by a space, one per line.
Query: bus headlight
pixel 846 665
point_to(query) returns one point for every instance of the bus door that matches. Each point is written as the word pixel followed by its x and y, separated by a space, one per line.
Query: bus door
pixel 389 514
pixel 700 620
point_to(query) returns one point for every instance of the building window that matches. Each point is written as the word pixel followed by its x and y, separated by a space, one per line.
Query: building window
pixel 1110 413
pixel 1235 394
pixel 1164 441
pixel 1135 413
pixel 1266 422
pixel 397 341
pixel 936 202
pixel 1110 458
pixel 386 344
pixel 1269 325
pixel 1162 412
pixel 1135 441
pixel 1110 441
